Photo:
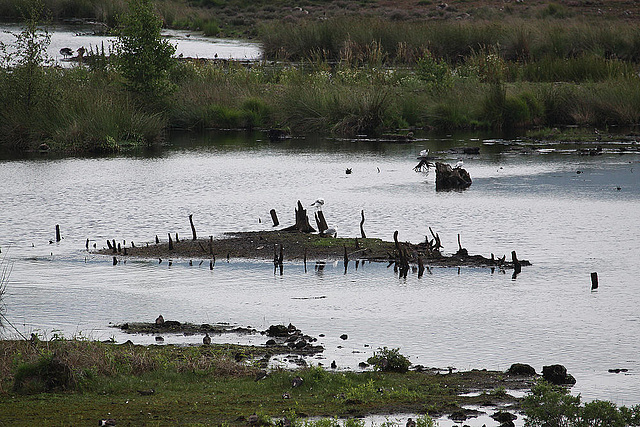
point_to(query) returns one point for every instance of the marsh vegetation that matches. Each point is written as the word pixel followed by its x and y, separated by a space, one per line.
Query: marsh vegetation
pixel 341 76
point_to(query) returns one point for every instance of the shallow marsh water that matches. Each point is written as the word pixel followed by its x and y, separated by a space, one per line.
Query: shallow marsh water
pixel 188 44
pixel 567 224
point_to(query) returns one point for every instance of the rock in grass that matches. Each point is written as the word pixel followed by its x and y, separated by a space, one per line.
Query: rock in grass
pixel 521 369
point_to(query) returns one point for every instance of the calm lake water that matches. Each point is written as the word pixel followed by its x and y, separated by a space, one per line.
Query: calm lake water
pixel 188 44
pixel 568 224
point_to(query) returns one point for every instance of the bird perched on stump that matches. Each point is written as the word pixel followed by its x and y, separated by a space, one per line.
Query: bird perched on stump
pixel 318 204
pixel 160 320
pixel 334 365
pixel 206 340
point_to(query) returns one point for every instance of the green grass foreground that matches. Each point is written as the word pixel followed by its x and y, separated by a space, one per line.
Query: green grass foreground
pixel 78 382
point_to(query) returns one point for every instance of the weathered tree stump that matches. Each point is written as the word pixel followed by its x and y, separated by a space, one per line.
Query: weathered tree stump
pixel 58 238
pixel 302 221
pixel 448 178
pixel 321 222
pixel 594 281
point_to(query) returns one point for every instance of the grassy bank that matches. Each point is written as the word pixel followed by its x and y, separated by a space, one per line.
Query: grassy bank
pixel 81 110
pixel 79 382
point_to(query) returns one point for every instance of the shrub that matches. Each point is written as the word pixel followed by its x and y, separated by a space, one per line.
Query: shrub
pixel 551 405
pixel 434 72
pixel 389 360
pixel 47 374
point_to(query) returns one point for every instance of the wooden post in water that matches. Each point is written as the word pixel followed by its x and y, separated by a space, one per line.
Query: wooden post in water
pixel 115 261
pixel 594 280
pixel 274 217
pixel 211 245
pixel 87 244
pixel 170 242
pixel 361 223
pixel 109 244
pixel 395 239
pixel 420 267
pixel 193 229
pixel 517 268
pixel 157 240
pixel 58 238
pixel 177 240
pixel 346 259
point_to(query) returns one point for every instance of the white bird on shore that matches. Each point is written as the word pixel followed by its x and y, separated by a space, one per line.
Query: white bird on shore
pixel 459 164
pixel 330 232
pixel 318 204
pixel 424 153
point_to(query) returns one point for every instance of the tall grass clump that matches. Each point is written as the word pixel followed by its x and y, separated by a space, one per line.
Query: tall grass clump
pixel 405 42
pixel 583 68
pixel 328 108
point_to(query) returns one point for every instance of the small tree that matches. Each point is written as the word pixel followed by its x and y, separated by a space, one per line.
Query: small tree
pixel 25 83
pixel 144 58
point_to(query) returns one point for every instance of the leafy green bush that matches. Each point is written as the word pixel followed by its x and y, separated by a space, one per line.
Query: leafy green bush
pixel 434 72
pixel 389 360
pixel 548 406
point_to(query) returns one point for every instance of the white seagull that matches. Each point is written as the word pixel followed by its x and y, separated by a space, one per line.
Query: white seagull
pixel 459 164
pixel 318 204
pixel 331 232
pixel 424 153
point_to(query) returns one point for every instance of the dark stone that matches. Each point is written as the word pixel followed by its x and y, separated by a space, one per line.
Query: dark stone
pixel 521 369
pixel 300 344
pixel 471 150
pixel 448 178
pixel 171 324
pixel 278 331
pixel 557 374
pixel 344 336
pixel 276 135
pixel 503 417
